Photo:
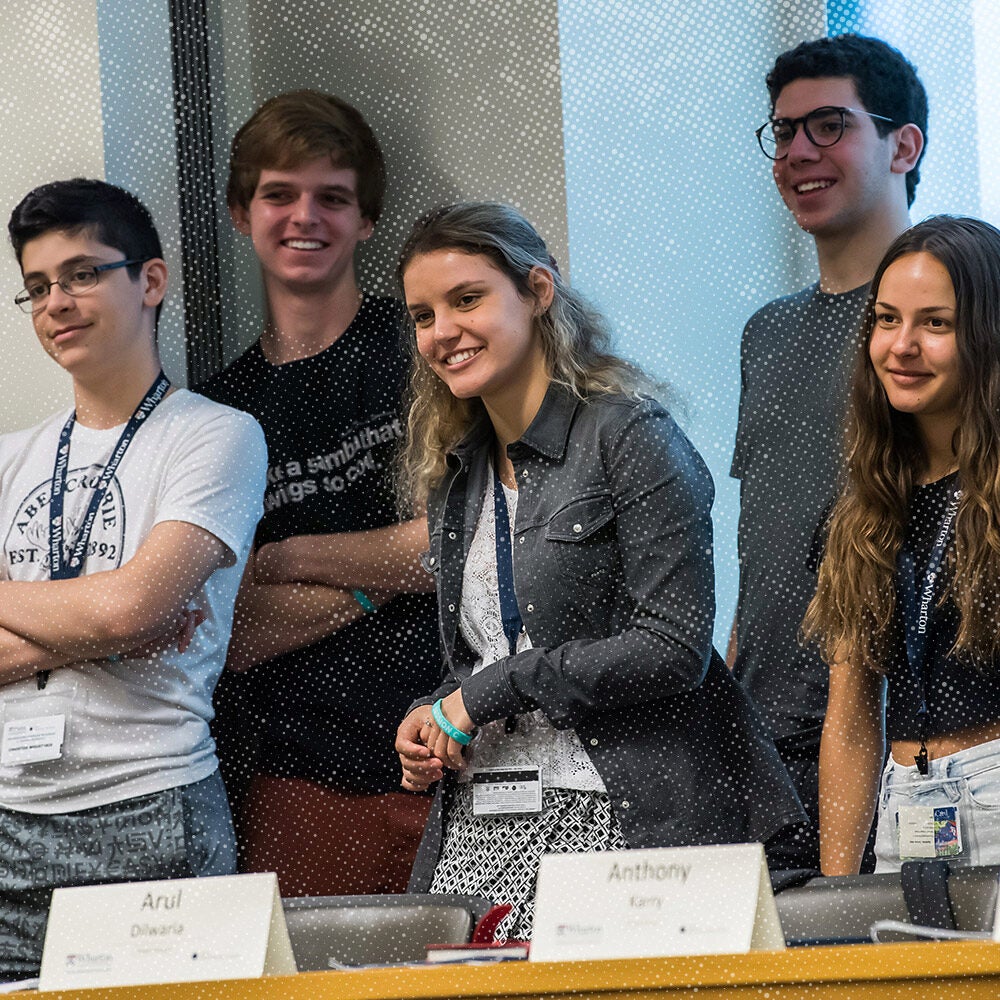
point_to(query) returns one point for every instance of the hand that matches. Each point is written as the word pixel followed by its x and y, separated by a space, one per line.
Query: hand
pixel 179 632
pixel 420 767
pixel 444 748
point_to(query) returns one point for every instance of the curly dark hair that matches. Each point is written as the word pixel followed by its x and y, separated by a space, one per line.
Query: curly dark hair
pixel 886 82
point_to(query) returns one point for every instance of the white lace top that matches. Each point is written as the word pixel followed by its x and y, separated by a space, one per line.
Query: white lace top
pixel 559 752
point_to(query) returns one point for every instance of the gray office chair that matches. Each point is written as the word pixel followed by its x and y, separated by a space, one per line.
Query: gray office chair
pixel 328 932
pixel 928 894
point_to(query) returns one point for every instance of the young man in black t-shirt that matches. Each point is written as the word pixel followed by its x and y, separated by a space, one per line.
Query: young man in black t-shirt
pixel 331 676
pixel 844 140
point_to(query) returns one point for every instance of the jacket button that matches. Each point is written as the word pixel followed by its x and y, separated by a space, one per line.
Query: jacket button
pixel 531 607
pixel 520 541
pixel 451 607
pixel 432 561
pixel 593 741
pixel 452 535
pixel 625 804
pixel 524 475
pixel 578 528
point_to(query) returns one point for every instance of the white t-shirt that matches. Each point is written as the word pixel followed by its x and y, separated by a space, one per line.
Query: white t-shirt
pixel 140 725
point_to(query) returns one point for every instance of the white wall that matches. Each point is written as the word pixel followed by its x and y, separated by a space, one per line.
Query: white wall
pixel 675 225
pixel 50 118
pixel 464 97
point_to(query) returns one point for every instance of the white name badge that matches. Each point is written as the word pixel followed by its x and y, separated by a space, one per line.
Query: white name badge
pixel 180 930
pixel 497 791
pixel 929 832
pixel 30 741
pixel 647 903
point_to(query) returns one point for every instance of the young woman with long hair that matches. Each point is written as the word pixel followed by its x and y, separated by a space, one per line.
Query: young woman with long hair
pixel 908 597
pixel 571 544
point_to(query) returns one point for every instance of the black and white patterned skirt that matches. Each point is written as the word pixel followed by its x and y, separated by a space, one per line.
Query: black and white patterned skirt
pixel 498 856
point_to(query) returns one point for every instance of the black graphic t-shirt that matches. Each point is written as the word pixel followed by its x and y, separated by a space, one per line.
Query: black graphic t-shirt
pixel 333 423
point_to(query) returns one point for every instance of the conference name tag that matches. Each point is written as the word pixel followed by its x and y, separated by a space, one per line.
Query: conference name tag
pixel 649 903
pixel 30 741
pixel 498 791
pixel 929 832
pixel 178 930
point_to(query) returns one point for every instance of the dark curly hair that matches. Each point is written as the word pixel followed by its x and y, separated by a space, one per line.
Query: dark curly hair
pixel 886 82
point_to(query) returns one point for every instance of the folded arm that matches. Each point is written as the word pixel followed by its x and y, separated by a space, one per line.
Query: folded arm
pixel 276 618
pixel 20 658
pixel 382 559
pixel 116 611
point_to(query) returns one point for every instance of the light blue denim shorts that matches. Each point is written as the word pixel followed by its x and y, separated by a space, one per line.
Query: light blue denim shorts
pixel 968 781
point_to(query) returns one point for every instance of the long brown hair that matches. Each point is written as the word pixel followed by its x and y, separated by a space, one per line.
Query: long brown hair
pixel 854 607
pixel 574 336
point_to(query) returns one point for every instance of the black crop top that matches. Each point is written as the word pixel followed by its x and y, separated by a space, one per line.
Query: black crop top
pixel 957 695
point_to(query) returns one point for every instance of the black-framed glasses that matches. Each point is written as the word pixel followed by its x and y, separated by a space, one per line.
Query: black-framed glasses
pixel 75 281
pixel 823 127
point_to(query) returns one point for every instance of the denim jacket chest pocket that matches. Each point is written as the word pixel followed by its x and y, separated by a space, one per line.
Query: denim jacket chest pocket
pixel 582 537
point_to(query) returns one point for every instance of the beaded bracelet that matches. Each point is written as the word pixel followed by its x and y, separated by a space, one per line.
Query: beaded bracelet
pixel 364 600
pixel 447 728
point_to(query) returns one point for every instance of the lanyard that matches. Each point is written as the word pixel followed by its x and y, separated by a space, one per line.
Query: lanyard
pixel 918 609
pixel 509 612
pixel 59 567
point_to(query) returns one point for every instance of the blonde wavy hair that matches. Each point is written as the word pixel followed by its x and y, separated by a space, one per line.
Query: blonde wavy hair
pixel 574 336
pixel 853 610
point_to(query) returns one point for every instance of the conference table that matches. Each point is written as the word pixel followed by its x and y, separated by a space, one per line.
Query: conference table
pixel 919 971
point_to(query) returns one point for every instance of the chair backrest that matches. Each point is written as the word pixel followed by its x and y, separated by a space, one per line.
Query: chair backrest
pixel 842 910
pixel 332 931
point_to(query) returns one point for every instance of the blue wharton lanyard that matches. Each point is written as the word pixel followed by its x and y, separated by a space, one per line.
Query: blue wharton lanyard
pixel 59 567
pixel 509 612
pixel 918 610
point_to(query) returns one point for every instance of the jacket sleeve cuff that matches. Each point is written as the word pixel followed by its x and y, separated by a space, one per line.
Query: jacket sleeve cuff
pixel 488 695
pixel 442 692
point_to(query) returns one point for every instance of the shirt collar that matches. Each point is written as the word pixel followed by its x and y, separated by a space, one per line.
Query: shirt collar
pixel 547 434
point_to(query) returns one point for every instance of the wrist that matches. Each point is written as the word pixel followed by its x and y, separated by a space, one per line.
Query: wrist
pixel 447 726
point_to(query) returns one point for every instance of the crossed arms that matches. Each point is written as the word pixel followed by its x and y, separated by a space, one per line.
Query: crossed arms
pixel 298 591
pixel 51 623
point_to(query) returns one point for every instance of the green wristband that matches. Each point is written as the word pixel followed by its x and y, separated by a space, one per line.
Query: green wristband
pixel 446 727
pixel 362 598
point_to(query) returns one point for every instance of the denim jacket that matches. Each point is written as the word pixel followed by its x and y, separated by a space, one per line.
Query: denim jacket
pixel 612 556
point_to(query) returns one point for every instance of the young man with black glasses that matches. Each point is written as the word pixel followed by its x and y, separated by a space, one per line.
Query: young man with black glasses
pixel 124 528
pixel 845 139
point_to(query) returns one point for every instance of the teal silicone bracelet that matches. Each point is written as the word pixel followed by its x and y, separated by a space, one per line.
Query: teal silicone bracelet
pixel 362 598
pixel 447 728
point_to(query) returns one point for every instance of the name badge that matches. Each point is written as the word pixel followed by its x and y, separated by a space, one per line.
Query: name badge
pixel 497 791
pixel 30 741
pixel 929 832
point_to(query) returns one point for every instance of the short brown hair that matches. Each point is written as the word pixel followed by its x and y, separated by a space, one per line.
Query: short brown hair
pixel 292 128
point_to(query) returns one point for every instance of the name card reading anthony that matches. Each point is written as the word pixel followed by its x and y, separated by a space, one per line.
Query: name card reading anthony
pixel 647 903
pixel 181 930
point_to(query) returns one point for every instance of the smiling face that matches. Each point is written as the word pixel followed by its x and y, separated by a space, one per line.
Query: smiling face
pixel 305 224
pixel 473 328
pixel 835 189
pixel 104 328
pixel 912 346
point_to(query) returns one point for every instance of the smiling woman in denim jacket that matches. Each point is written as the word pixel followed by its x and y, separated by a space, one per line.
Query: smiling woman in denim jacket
pixel 583 707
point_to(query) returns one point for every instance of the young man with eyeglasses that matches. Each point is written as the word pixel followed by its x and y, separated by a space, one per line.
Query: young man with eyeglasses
pixel 845 139
pixel 124 528
pixel 331 674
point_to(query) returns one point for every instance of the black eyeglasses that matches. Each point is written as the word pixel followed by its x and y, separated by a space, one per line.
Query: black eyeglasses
pixel 823 127
pixel 76 281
